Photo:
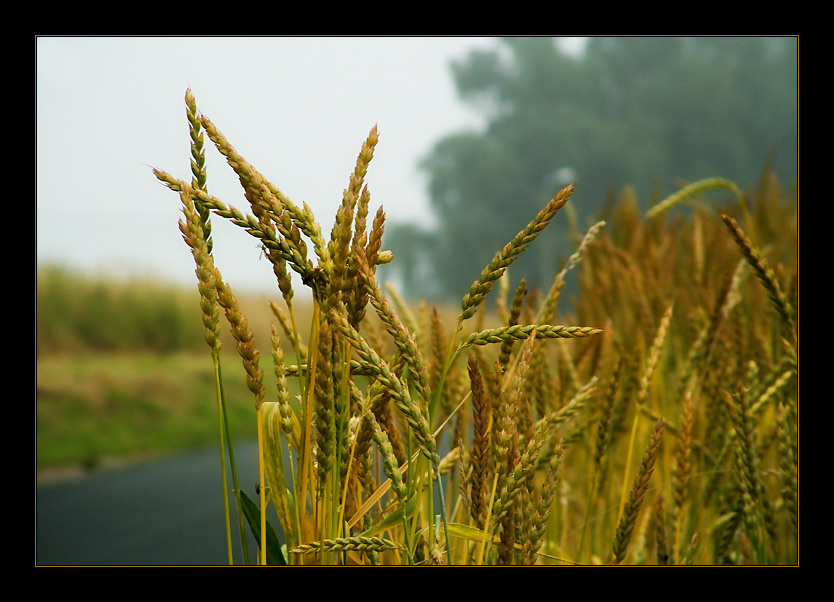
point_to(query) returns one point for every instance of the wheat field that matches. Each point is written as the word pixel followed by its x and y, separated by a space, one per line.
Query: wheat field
pixel 654 423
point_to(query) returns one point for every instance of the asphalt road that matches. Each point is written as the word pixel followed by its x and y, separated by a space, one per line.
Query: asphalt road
pixel 161 512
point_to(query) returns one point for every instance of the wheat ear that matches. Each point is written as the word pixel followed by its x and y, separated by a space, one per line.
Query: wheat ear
pixel 348 544
pixel 510 334
pixel 284 238
pixel 766 275
pixel 509 253
pixel 269 196
pixel 415 416
pixel 545 505
pixel 660 531
pixel 342 235
pixel 548 308
pixel 636 495
pixel 479 456
pixel 643 391
pixel 691 190
pixel 788 467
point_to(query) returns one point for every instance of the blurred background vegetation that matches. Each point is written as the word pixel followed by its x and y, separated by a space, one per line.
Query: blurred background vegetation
pixel 651 113
pixel 78 312
pixel 123 370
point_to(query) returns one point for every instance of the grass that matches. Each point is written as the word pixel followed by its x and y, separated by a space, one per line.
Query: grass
pixel 654 424
pixel 79 313
pixel 122 373
pixel 95 408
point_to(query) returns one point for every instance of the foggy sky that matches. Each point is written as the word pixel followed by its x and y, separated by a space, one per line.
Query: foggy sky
pixel 298 108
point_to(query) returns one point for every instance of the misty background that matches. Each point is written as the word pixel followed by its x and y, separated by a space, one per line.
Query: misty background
pixel 298 108
pixel 627 117
pixel 476 134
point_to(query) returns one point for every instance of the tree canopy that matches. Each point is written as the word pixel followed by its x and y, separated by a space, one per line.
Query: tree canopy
pixel 646 112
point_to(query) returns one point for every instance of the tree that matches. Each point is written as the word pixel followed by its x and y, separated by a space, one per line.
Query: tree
pixel 645 112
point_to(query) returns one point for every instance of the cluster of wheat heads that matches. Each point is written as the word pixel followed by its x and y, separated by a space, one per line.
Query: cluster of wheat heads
pixel 527 442
pixel 701 330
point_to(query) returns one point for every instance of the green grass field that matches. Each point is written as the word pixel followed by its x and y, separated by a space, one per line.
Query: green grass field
pixel 123 371
pixel 93 408
pixel 121 388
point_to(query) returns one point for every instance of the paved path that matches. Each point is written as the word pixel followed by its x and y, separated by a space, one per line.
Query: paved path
pixel 161 512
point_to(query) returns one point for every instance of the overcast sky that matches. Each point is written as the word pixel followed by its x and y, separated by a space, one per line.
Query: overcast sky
pixel 297 108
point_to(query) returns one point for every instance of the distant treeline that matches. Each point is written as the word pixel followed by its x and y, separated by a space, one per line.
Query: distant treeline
pixel 652 113
pixel 77 312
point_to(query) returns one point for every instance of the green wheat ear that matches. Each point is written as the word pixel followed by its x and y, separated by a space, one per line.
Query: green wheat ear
pixel 625 528
pixel 510 253
pixel 690 191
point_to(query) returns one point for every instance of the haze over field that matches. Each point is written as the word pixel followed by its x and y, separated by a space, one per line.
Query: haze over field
pixel 476 134
pixel 298 108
